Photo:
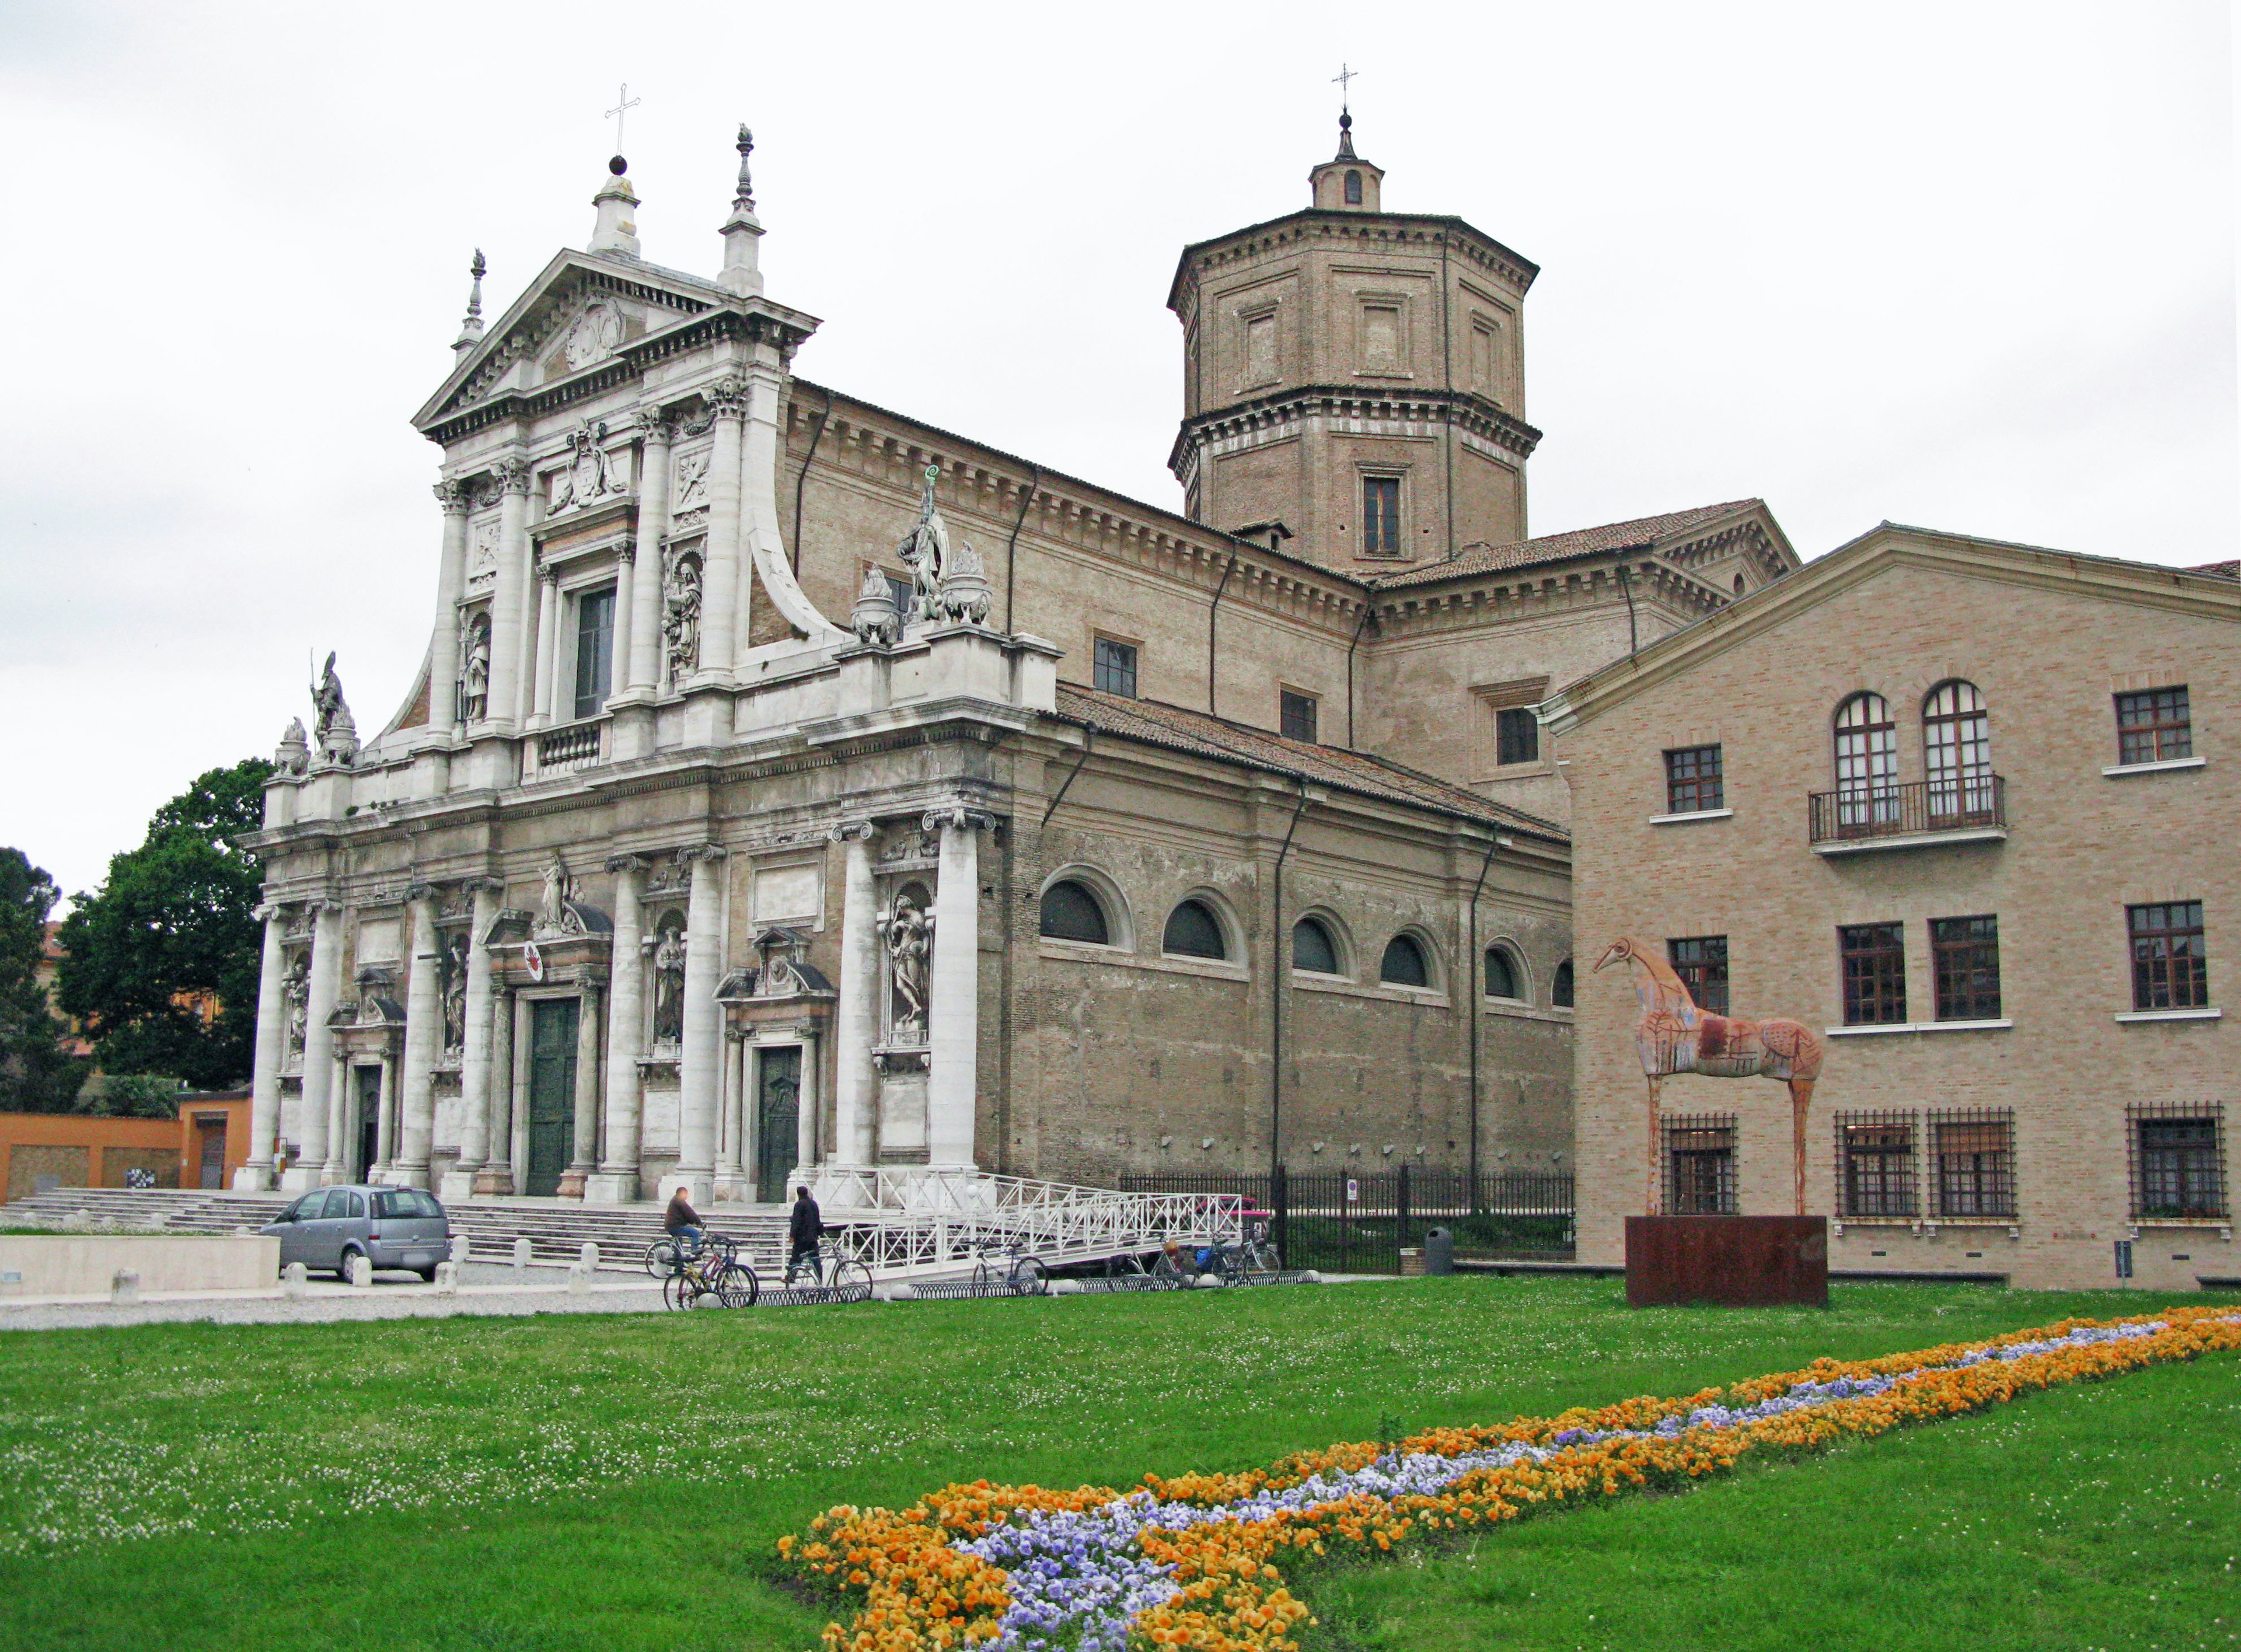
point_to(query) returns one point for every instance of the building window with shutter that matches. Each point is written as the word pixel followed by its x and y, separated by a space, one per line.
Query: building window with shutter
pixel 1517 736
pixel 1116 667
pixel 1973 1175
pixel 1296 715
pixel 1380 515
pixel 1873 958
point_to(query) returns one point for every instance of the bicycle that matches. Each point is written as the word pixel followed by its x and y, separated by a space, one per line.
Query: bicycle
pixel 1026 1276
pixel 664 1256
pixel 837 1279
pixel 713 1274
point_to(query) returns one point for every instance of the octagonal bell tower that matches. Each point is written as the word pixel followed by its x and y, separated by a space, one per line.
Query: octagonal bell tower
pixel 1356 377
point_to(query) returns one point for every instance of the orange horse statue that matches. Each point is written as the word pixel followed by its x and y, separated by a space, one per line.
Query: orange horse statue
pixel 1674 1036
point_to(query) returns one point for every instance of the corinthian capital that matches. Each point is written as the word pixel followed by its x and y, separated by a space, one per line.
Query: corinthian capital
pixel 727 397
pixel 514 474
pixel 653 424
pixel 454 495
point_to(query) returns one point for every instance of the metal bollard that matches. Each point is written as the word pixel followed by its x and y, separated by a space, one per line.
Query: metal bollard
pixel 124 1287
pixel 521 1255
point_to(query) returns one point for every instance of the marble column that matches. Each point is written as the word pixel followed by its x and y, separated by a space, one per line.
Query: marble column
pixel 475 1058
pixel 255 1172
pixel 856 1085
pixel 953 1035
pixel 804 1146
pixel 724 589
pixel 584 1149
pixel 548 650
pixel 451 580
pixel 342 1114
pixel 733 1152
pixel 321 990
pixel 701 1056
pixel 619 622
pixel 516 1130
pixel 496 1177
pixel 424 1042
pixel 644 652
pixel 384 1123
pixel 510 595
pixel 616 1180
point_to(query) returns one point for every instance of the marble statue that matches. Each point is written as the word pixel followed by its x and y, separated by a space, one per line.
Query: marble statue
pixel 474 698
pixel 876 618
pixel 925 552
pixel 455 995
pixel 669 986
pixel 680 628
pixel 908 933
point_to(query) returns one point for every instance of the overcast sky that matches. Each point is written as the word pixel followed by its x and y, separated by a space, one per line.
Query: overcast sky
pixel 1964 265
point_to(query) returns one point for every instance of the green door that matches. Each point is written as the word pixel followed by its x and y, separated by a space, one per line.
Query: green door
pixel 778 1119
pixel 551 1093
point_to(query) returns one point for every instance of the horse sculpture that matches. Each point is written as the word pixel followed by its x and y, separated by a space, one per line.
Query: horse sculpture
pixel 1674 1036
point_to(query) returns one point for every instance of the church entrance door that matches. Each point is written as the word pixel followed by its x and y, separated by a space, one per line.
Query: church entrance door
pixel 368 1084
pixel 778 1119
pixel 551 1093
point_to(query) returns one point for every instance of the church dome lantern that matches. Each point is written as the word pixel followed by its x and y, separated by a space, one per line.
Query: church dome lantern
pixel 1346 183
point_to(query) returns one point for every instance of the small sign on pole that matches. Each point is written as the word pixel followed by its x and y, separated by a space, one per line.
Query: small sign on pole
pixel 1353 1191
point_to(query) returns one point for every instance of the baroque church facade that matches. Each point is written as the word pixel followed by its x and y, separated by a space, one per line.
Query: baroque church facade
pixel 794 789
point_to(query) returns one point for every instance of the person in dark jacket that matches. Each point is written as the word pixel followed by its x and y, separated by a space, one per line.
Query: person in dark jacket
pixel 682 1223
pixel 804 1229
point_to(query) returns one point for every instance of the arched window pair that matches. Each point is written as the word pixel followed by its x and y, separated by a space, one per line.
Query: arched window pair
pixel 1505 978
pixel 1956 753
pixel 1316 950
pixel 1075 909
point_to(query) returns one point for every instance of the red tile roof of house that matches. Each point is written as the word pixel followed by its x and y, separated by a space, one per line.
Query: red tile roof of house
pixel 1640 533
pixel 2230 570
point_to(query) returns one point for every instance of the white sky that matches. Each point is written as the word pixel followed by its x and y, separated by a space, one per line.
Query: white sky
pixel 1967 265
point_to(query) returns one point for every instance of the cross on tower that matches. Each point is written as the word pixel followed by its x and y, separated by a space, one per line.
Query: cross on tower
pixel 1339 81
pixel 624 103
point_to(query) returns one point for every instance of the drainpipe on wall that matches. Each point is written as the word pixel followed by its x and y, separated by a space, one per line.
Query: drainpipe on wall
pixel 1012 547
pixel 801 482
pixel 1212 615
pixel 1350 647
pixel 1279 971
pixel 1633 638
pixel 1471 1006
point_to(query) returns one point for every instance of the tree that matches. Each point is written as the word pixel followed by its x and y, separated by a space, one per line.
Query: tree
pixel 37 1075
pixel 161 962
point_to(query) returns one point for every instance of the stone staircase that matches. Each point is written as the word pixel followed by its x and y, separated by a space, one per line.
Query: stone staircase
pixel 556 1230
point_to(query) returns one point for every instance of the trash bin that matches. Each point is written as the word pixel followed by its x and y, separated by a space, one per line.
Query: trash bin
pixel 1439 1252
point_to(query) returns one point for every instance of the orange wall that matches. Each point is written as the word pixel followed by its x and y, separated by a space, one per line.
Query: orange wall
pixel 131 1139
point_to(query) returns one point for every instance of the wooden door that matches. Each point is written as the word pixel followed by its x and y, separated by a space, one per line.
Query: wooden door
pixel 778 1117
pixel 209 1134
pixel 369 1120
pixel 551 1093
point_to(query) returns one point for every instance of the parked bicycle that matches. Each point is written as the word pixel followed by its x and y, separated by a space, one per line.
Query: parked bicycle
pixel 665 1256
pixel 819 1277
pixel 713 1276
pixel 1251 1261
pixel 1020 1275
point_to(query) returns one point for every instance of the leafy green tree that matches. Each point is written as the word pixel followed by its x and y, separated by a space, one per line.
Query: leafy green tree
pixel 129 1095
pixel 37 1075
pixel 171 929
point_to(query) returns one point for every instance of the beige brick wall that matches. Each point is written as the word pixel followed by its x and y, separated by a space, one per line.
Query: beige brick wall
pixel 2048 649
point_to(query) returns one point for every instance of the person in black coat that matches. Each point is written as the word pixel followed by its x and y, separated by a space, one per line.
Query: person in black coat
pixel 804 1229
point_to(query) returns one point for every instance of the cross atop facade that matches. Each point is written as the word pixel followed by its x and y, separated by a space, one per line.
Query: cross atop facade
pixel 624 103
pixel 1339 81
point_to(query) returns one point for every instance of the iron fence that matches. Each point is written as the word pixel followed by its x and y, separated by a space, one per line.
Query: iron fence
pixel 1946 805
pixel 1342 1221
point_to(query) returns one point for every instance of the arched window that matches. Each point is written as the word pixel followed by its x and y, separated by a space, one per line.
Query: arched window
pixel 1503 978
pixel 1314 947
pixel 1072 911
pixel 1560 990
pixel 1956 753
pixel 1867 764
pixel 1404 964
pixel 1739 585
pixel 1353 188
pixel 1194 932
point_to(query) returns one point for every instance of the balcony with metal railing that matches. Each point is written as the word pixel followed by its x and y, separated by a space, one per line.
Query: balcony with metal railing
pixel 1967 808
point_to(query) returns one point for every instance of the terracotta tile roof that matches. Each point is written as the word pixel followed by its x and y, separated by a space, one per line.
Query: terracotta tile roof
pixel 1332 766
pixel 2230 570
pixel 1643 531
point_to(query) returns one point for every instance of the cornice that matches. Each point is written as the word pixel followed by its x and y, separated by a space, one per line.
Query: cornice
pixel 1467 409
pixel 1428 230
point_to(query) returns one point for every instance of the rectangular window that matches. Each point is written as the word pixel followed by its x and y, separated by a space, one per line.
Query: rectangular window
pixel 1260 348
pixel 1380 515
pixel 1875 974
pixel 1701 961
pixel 595 650
pixel 2170 969
pixel 1516 735
pixel 1974 1173
pixel 1700 1164
pixel 1875 1166
pixel 1116 667
pixel 1692 781
pixel 2154 726
pixel 1297 713
pixel 2179 1161
pixel 1380 335
pixel 1964 954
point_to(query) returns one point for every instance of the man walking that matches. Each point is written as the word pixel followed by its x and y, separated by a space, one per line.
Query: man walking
pixel 804 1229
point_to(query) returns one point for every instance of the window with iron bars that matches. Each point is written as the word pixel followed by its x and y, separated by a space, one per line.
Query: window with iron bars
pixel 2170 968
pixel 1973 1163
pixel 2177 1160
pixel 1875 1166
pixel 1700 1164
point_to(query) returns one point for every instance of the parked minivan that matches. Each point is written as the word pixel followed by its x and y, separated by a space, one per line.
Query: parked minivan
pixel 401 1228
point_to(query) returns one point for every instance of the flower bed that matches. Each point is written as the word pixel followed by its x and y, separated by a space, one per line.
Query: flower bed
pixel 1199 1560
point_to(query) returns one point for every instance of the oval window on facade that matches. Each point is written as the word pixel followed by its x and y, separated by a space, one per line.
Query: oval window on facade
pixel 1072 913
pixel 1194 932
pixel 1560 990
pixel 1501 974
pixel 1404 964
pixel 1313 947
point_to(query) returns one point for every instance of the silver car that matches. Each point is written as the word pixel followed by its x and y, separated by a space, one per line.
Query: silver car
pixel 398 1228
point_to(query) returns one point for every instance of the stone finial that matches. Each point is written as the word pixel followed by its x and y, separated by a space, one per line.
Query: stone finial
pixel 964 597
pixel 471 330
pixel 295 753
pixel 615 230
pixel 875 618
pixel 1345 138
pixel 742 231
pixel 745 195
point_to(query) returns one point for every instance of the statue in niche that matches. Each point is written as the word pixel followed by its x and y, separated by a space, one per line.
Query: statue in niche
pixel 334 729
pixel 297 992
pixel 474 679
pixel 554 914
pixel 925 552
pixel 455 993
pixel 669 978
pixel 680 596
pixel 907 929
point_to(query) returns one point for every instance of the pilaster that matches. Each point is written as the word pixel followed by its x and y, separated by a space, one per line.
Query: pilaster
pixel 954 1031
pixel 321 991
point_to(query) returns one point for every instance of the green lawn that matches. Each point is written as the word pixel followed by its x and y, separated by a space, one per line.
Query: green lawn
pixel 618 1482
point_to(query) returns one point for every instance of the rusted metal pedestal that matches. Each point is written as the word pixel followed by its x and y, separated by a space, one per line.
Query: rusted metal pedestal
pixel 1736 1261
